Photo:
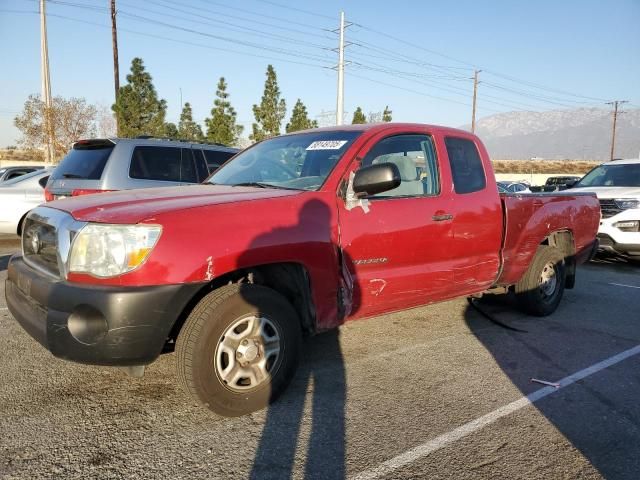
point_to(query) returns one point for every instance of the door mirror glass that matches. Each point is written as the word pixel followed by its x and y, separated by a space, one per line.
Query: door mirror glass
pixel 375 179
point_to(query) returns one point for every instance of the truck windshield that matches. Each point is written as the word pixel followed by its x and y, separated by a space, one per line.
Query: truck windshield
pixel 300 161
pixel 624 175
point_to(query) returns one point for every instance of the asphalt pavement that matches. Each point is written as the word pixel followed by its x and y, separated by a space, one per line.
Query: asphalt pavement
pixel 415 394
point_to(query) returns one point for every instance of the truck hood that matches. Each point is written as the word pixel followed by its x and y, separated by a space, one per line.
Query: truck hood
pixel 134 206
pixel 611 192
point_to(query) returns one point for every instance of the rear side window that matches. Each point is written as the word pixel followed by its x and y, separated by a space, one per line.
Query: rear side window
pixel 84 162
pixel 162 163
pixel 466 165
pixel 215 159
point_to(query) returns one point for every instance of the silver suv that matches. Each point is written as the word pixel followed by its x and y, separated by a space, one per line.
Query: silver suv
pixel 99 165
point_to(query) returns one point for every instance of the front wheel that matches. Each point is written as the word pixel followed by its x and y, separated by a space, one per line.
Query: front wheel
pixel 238 349
pixel 541 288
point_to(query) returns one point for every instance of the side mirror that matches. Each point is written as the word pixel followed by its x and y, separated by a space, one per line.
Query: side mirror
pixel 376 179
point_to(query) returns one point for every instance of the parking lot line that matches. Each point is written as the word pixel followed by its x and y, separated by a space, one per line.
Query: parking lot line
pixel 446 439
pixel 623 285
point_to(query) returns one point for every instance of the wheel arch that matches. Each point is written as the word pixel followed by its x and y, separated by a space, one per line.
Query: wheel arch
pixel 564 241
pixel 290 279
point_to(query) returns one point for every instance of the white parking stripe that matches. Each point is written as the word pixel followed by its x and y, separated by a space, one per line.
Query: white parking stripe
pixel 623 285
pixel 442 441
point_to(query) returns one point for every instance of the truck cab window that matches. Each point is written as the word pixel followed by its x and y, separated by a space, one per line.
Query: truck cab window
pixel 466 165
pixel 415 157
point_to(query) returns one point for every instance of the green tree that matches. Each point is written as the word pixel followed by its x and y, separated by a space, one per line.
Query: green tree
pixel 271 111
pixel 187 128
pixel 386 115
pixel 221 127
pixel 169 130
pixel 358 116
pixel 138 109
pixel 300 119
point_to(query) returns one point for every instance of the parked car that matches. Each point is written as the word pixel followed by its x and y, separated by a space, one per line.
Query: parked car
pixel 513 187
pixel 7 173
pixel 18 196
pixel 556 183
pixel 617 185
pixel 295 235
pixel 103 165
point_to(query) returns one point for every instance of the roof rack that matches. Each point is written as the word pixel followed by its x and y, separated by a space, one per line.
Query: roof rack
pixel 169 139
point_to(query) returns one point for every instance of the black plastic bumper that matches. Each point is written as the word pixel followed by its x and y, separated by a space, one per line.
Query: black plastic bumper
pixel 95 324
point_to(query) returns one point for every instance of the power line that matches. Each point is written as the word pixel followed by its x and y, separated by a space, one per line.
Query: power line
pixel 289 7
pixel 185 42
pixel 206 20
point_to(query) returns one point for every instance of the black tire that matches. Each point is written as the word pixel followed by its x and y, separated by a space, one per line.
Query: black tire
pixel 203 330
pixel 535 298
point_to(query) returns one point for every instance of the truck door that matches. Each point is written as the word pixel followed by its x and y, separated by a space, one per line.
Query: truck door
pixel 396 248
pixel 477 218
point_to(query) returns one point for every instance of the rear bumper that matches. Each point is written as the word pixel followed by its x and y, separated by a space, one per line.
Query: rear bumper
pixel 95 325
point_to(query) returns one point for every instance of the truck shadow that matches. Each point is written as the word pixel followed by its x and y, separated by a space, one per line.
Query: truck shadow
pixel 321 377
pixel 598 415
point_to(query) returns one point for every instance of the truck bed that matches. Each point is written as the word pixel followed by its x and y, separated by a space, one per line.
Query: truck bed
pixel 530 217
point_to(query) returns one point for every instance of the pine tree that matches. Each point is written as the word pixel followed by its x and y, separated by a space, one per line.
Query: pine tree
pixel 299 119
pixel 386 115
pixel 358 116
pixel 271 111
pixel 138 109
pixel 187 128
pixel 169 130
pixel 221 127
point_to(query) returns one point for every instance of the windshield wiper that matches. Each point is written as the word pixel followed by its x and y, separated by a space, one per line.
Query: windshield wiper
pixel 252 184
pixel 73 175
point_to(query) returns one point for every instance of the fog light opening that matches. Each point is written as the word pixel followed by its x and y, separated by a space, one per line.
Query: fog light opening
pixel 87 324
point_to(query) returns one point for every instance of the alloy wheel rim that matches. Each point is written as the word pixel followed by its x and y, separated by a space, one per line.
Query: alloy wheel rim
pixel 548 280
pixel 248 353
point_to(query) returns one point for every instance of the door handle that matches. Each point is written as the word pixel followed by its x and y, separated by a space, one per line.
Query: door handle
pixel 442 217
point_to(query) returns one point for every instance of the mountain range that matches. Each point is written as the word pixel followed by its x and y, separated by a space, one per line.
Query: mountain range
pixel 580 134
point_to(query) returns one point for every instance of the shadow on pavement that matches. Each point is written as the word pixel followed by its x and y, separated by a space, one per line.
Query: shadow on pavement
pixel 598 415
pixel 322 373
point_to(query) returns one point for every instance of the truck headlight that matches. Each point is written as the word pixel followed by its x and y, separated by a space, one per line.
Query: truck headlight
pixel 111 250
pixel 628 225
pixel 627 203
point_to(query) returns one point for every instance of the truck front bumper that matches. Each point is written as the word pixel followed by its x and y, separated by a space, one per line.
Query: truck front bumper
pixel 614 240
pixel 99 325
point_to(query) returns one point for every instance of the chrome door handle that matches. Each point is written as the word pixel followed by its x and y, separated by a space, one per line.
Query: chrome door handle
pixel 442 218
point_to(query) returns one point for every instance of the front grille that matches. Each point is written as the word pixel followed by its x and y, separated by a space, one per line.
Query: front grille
pixel 609 208
pixel 40 245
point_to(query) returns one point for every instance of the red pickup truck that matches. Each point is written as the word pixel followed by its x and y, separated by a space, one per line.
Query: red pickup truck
pixel 295 235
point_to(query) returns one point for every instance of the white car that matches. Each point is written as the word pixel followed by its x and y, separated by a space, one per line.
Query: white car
pixel 18 196
pixel 617 185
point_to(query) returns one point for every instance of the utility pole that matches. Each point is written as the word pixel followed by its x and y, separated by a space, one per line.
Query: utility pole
pixel 615 104
pixel 46 86
pixel 340 69
pixel 116 67
pixel 475 94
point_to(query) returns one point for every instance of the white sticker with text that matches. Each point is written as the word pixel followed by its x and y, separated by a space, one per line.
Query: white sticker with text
pixel 327 145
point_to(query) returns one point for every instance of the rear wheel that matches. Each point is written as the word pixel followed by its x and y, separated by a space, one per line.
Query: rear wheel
pixel 238 349
pixel 541 288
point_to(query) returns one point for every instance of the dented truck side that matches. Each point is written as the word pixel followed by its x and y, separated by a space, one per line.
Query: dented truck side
pixel 241 269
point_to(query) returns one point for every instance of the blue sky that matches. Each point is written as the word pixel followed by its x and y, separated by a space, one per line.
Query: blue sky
pixel 582 52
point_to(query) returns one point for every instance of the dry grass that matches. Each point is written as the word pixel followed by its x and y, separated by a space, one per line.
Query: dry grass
pixel 578 167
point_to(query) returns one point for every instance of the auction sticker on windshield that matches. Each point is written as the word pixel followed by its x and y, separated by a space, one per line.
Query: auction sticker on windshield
pixel 327 145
